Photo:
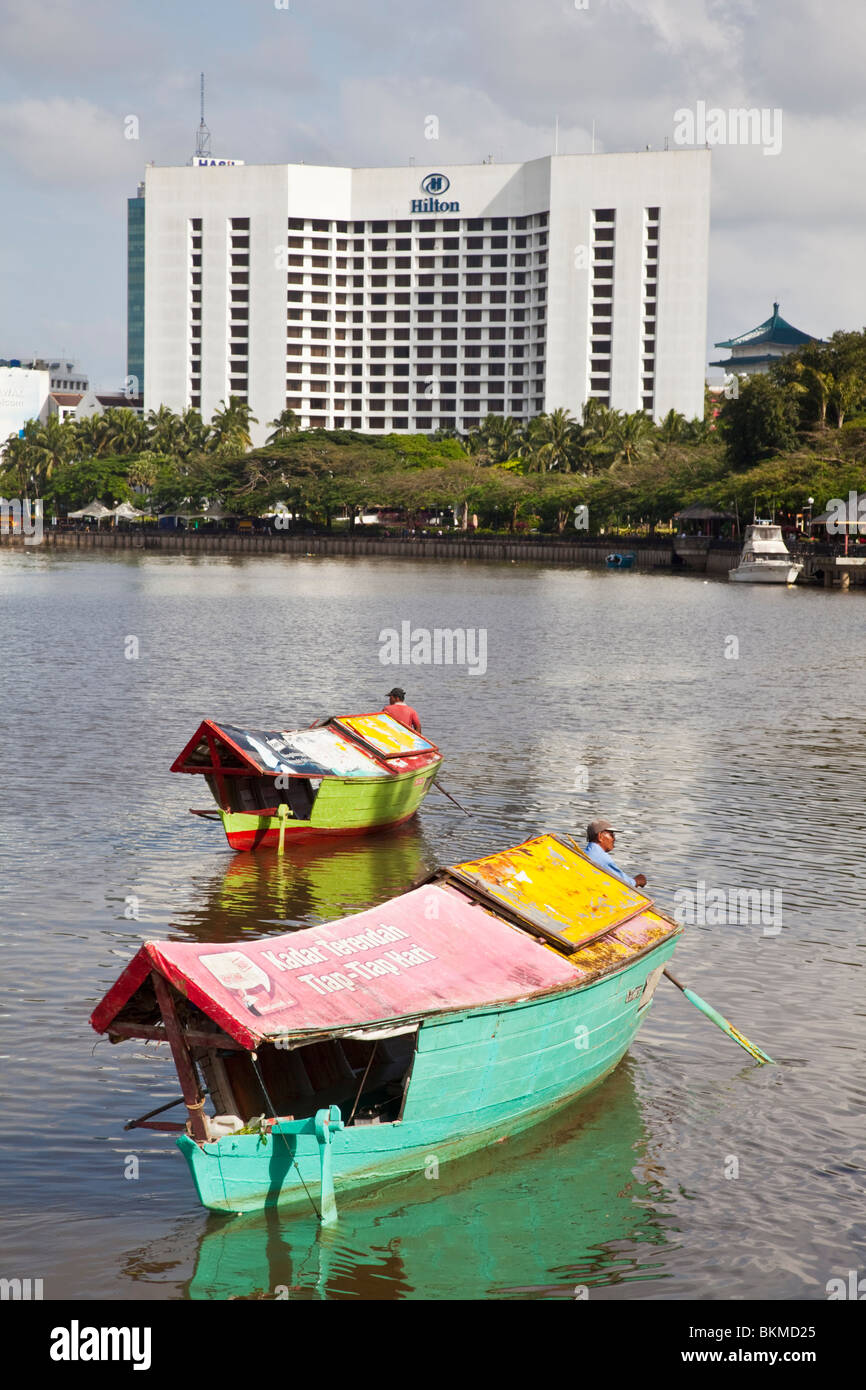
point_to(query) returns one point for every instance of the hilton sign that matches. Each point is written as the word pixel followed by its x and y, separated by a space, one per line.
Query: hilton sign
pixel 432 185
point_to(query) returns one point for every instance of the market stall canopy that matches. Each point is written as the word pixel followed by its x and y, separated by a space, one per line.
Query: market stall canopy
pixel 126 512
pixel 428 951
pixel 93 509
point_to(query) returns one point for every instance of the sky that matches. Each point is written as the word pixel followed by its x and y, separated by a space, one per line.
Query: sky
pixel 348 83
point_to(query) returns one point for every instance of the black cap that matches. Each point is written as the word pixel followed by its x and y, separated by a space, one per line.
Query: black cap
pixel 397 693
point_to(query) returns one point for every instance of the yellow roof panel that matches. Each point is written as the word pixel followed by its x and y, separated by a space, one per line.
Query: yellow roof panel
pixel 552 885
pixel 388 736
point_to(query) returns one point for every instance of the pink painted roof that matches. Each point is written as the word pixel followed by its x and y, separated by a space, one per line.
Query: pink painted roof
pixel 429 951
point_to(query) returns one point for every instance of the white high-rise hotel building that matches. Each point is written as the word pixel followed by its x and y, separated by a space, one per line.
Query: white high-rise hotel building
pixel 410 299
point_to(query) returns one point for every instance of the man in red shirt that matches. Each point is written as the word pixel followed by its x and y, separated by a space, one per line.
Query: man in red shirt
pixel 399 710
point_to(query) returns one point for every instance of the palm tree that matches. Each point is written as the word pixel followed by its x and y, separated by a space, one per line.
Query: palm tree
pixel 820 386
pixel 631 435
pixel 598 419
pixel 846 395
pixel 50 446
pixel 672 427
pixel 194 434
pixel 165 430
pixel 124 431
pixel 231 426
pixel 496 440
pixel 18 464
pixel 285 425
pixel 553 442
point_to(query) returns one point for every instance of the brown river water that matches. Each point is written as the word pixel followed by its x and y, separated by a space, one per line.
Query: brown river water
pixel 720 727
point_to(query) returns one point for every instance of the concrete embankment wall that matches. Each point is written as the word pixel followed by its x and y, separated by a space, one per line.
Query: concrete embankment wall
pixel 657 555
pixel 683 555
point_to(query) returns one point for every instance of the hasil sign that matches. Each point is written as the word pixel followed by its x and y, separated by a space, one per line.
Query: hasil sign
pixel 204 161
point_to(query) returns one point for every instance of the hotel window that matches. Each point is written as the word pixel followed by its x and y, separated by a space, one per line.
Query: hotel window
pixel 651 230
pixel 601 295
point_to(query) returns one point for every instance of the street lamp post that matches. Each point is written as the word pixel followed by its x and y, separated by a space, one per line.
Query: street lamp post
pixel 809 503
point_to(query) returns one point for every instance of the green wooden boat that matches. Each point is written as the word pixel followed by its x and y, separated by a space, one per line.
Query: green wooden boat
pixel 347 776
pixel 357 1051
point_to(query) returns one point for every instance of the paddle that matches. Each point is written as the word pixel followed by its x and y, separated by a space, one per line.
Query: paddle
pixel 719 1021
pixel 440 788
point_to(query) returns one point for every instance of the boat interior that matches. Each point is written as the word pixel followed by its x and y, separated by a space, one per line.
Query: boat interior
pixel 256 795
pixel 366 1074
pixel 366 1078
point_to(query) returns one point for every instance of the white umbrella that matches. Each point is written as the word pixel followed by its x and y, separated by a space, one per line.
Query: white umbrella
pixel 93 509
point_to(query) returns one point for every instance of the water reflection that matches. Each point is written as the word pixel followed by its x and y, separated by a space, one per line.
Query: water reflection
pixel 567 1207
pixel 254 894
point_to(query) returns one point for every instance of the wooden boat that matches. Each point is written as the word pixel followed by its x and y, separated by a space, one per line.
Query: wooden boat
pixel 620 560
pixel 349 1053
pixel 351 774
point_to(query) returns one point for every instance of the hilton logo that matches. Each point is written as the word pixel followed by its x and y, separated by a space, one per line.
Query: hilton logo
pixel 431 185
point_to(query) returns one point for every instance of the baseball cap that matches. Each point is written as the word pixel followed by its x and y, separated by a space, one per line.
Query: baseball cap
pixel 595 828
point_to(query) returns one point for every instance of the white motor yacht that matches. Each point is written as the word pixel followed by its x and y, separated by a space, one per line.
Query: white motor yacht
pixel 765 558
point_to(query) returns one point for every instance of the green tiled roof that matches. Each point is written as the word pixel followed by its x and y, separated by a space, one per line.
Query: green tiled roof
pixel 750 361
pixel 773 330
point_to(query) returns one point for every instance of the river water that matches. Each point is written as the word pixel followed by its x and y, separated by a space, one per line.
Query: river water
pixel 720 727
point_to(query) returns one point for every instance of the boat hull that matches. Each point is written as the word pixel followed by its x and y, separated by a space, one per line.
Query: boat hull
pixel 476 1077
pixel 350 806
pixel 766 573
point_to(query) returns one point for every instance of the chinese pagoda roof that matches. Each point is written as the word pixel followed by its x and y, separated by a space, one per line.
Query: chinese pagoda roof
pixel 775 329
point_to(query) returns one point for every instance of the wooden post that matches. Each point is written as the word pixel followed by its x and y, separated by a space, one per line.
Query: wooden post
pixel 182 1060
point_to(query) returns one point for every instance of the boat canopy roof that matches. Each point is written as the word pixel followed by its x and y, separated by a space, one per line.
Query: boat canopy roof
pixel 474 937
pixel 429 951
pixel 549 883
pixel 334 750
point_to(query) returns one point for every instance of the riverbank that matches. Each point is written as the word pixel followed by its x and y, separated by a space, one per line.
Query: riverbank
pixel 678 554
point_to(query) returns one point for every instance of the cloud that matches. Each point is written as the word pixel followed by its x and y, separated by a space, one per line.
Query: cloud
pixel 332 81
pixel 65 143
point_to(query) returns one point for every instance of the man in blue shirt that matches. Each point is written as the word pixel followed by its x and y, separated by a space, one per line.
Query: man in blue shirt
pixel 600 836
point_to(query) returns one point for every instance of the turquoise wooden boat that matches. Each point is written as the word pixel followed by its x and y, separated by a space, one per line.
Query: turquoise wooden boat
pixel 363 1050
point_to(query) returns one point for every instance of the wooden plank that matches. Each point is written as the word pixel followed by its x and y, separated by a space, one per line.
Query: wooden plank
pixel 182 1060
pixel 152 1032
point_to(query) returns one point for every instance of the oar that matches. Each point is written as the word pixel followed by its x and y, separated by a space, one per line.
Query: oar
pixel 439 786
pixel 720 1022
pixel 133 1124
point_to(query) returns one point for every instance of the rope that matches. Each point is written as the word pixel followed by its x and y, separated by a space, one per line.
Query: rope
pixel 255 1062
pixel 363 1081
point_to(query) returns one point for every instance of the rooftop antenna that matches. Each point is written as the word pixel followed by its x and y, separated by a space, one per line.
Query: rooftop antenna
pixel 202 137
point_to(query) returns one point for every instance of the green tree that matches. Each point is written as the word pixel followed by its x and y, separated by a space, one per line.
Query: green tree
pixel 759 422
